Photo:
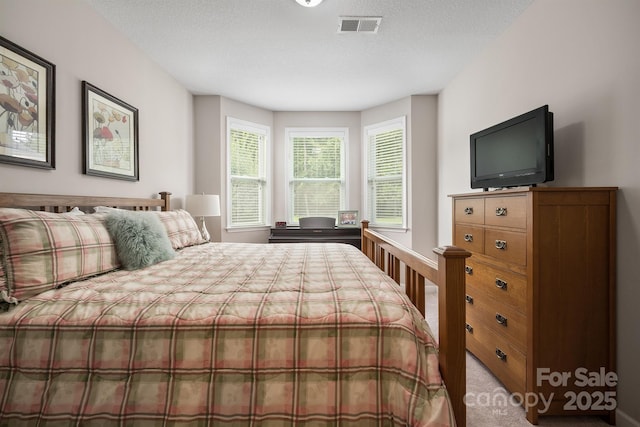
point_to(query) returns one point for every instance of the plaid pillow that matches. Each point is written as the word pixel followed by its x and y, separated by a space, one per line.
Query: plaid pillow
pixel 3 281
pixel 4 290
pixel 181 228
pixel 42 250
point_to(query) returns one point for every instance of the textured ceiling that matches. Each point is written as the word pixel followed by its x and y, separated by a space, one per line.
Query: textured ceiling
pixel 281 56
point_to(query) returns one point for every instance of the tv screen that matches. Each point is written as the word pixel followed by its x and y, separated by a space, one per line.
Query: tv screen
pixel 514 153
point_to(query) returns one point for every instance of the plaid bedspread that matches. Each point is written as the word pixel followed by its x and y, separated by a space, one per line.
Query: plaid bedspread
pixel 224 334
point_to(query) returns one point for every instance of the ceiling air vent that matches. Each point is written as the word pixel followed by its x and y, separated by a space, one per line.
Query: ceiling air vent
pixel 359 24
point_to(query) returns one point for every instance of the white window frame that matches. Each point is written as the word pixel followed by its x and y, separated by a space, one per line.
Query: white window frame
pixel 265 172
pixel 307 132
pixel 372 130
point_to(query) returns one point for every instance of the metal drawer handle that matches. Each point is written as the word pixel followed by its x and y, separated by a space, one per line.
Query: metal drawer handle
pixel 501 211
pixel 468 270
pixel 501 319
pixel 501 244
pixel 468 211
pixel 501 355
pixel 468 327
pixel 501 284
pixel 468 237
pixel 469 299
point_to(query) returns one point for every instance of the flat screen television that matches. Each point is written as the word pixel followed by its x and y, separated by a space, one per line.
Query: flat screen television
pixel 514 153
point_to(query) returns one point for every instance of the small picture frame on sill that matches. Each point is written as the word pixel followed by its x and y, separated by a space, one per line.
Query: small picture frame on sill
pixel 348 218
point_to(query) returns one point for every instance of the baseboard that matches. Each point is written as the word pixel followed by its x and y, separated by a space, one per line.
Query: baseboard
pixel 624 420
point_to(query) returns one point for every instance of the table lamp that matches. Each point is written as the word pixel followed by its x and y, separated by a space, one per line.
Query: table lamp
pixel 203 205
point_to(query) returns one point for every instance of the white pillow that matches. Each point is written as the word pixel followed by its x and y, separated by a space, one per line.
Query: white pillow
pixel 105 209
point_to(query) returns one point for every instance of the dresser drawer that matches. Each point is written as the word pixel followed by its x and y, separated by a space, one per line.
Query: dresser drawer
pixel 469 211
pixel 503 320
pixel 506 211
pixel 503 286
pixel 469 237
pixel 507 246
pixel 502 358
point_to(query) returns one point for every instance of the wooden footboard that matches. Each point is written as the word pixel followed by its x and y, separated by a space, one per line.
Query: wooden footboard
pixel 448 274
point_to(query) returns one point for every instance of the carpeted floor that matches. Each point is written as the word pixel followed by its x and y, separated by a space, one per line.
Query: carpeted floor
pixel 488 401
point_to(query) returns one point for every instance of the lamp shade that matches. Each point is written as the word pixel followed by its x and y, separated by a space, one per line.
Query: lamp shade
pixel 203 204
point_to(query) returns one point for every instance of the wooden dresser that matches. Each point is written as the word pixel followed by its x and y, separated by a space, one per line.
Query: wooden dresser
pixel 540 292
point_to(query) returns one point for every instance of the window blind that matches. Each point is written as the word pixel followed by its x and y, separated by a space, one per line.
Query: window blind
pixel 385 174
pixel 317 169
pixel 247 175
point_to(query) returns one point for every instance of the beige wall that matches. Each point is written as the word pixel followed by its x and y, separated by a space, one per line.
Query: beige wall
pixel 581 57
pixel 382 113
pixel 421 114
pixel 208 131
pixel 211 113
pixel 423 186
pixel 239 110
pixel 83 46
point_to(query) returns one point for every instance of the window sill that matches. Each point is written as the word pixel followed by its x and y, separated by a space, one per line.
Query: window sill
pixel 389 229
pixel 247 229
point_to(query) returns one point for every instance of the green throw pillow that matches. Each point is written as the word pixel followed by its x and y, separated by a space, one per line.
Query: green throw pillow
pixel 139 237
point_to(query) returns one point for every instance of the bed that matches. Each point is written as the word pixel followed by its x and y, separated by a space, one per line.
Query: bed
pixel 219 333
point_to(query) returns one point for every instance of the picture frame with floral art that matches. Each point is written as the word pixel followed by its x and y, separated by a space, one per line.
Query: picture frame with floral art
pixel 27 107
pixel 110 135
pixel 348 219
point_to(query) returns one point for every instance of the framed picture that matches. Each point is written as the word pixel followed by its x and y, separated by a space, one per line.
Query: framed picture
pixel 110 135
pixel 348 219
pixel 27 100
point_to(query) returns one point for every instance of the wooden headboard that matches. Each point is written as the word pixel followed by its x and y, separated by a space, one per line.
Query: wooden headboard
pixel 60 203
